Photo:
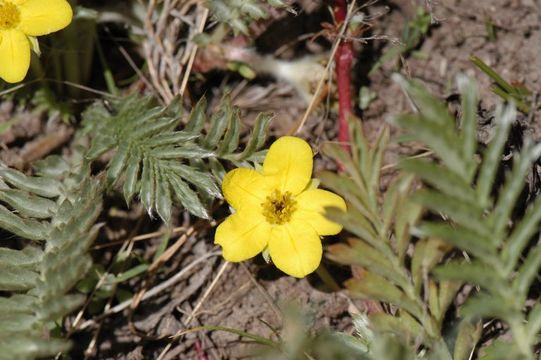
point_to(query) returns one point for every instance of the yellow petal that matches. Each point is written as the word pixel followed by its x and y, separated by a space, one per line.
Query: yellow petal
pixel 295 248
pixel 14 56
pixel 289 161
pixel 242 236
pixel 311 206
pixel 40 17
pixel 245 188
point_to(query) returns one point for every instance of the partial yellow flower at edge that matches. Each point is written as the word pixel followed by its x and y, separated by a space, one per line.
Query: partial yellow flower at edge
pixel 20 19
pixel 278 210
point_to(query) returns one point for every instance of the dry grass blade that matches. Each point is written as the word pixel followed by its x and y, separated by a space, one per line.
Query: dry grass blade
pixel 158 289
pixel 199 304
pixel 207 292
pixel 169 60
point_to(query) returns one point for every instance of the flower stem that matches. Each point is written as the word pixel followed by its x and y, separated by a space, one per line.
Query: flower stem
pixel 343 61
pixel 327 278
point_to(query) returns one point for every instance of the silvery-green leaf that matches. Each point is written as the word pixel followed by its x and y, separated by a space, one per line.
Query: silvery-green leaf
pixel 41 186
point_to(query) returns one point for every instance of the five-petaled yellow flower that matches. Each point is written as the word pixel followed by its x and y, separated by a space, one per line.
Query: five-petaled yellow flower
pixel 20 22
pixel 278 210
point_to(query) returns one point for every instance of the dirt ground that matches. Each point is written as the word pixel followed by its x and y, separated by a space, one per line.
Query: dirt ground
pixel 249 296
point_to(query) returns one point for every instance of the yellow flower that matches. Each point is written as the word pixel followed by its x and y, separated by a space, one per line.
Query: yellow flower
pixel 20 22
pixel 278 210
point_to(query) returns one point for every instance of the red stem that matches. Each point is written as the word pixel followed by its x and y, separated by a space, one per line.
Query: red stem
pixel 199 350
pixel 343 61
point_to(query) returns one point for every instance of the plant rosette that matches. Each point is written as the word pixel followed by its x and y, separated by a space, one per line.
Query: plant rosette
pixel 21 21
pixel 278 210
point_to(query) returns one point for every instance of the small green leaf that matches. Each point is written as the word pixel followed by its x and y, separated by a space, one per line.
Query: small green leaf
pixel 53 166
pixel 485 305
pixel 100 145
pixel 513 185
pixel 27 347
pixel 55 310
pixel 177 138
pixel 527 273
pixel 15 278
pixel 41 186
pixel 148 184
pixel 29 257
pixel 366 96
pixel 402 326
pixel 468 97
pixel 375 287
pixel 131 176
pixel 188 198
pixel 500 350
pixel 258 135
pixel 440 139
pixel 230 141
pixel 361 254
pixel 150 128
pixel 341 156
pixel 197 117
pixel 534 321
pixel 163 202
pixel 187 151
pixel 17 303
pixel 377 157
pixel 254 11
pixel 466 340
pixel 447 294
pixel 25 228
pixel 202 180
pixel 491 160
pixel 28 204
pixel 470 217
pixel 146 117
pixel 118 163
pixel 426 254
pixel 217 169
pixel 131 273
pixel 473 272
pixel 360 151
pixel 408 214
pixel 354 222
pixel 431 108
pixel 441 178
pixel 462 238
pixel 218 124
pixel 521 235
pixel 355 195
pixel 16 324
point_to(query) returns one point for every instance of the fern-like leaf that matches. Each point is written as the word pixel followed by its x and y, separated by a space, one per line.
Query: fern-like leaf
pixel 163 165
pixel 477 212
pixel 383 236
pixel 35 281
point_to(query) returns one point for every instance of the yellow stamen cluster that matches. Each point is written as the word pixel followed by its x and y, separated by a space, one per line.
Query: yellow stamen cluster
pixel 9 15
pixel 279 207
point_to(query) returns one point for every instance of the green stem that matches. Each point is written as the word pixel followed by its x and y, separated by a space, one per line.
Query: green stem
pixel 256 338
pixel 327 278
pixel 493 74
pixel 107 73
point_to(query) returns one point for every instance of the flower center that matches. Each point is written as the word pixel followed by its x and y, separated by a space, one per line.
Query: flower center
pixel 9 15
pixel 278 207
